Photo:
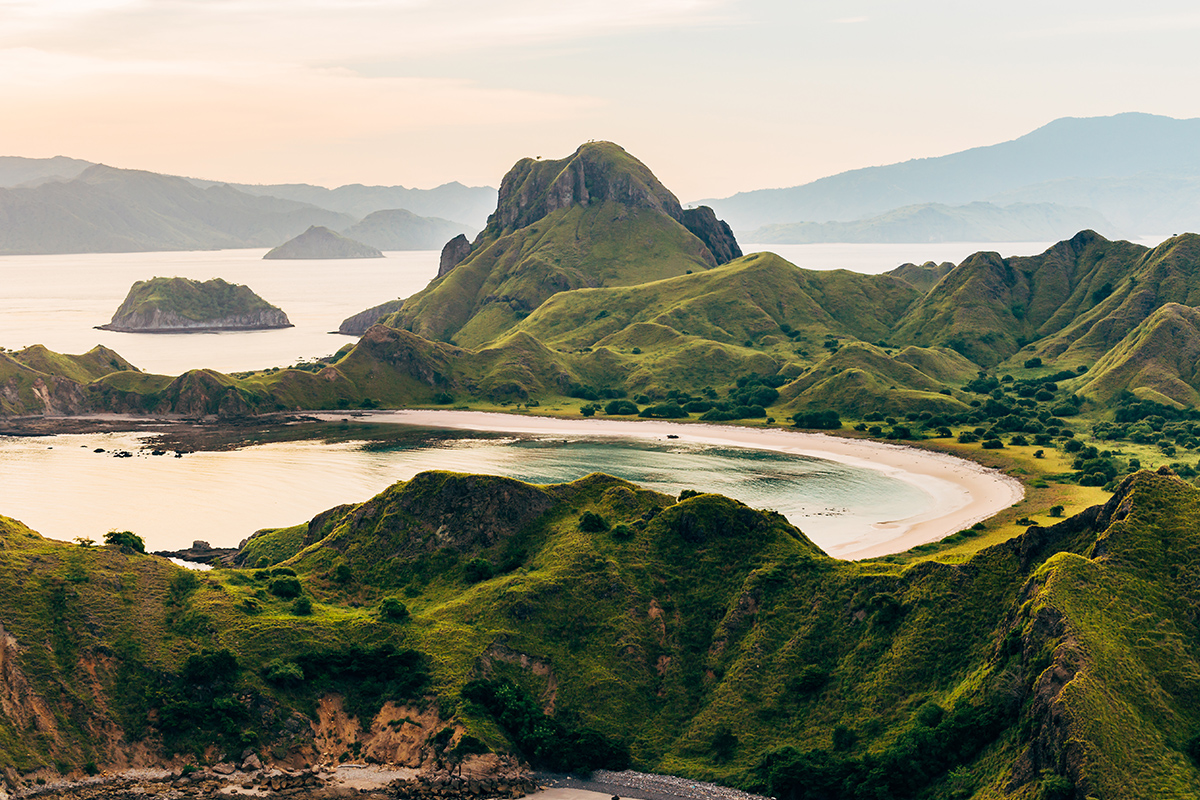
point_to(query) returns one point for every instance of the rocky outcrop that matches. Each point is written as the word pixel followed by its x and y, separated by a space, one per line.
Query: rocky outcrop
pixel 319 242
pixel 453 253
pixel 361 322
pixel 713 232
pixel 597 172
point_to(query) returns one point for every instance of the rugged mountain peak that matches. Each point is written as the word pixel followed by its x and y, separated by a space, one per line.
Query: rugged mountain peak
pixel 597 172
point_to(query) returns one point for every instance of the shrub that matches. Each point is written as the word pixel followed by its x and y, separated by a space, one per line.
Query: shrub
pixel 443 398
pixel 392 610
pixel 477 569
pixel 283 673
pixel 127 541
pixel 622 532
pixel 302 606
pixel 286 587
pixel 1031 363
pixel 342 573
pixel 686 493
pixel 992 444
pixel 591 522
pixel 663 411
pixel 620 407
pixel 817 420
pixel 587 410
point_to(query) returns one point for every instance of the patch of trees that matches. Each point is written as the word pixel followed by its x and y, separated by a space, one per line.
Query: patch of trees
pixel 818 420
pixel 366 677
pixel 561 743
pixel 935 745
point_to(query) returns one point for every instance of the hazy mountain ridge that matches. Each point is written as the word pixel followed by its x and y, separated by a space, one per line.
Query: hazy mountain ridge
pixel 1137 148
pixel 936 222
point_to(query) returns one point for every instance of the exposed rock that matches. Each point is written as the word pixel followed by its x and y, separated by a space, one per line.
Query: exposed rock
pixel 713 232
pixel 453 253
pixel 361 322
pixel 320 242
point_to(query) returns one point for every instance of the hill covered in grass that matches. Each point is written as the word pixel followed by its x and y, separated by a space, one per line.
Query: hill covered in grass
pixel 182 305
pixel 694 636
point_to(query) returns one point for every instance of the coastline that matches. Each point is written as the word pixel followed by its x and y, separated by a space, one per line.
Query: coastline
pixel 962 492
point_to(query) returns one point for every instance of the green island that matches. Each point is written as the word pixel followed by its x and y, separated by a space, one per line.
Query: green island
pixel 1049 653
pixel 183 305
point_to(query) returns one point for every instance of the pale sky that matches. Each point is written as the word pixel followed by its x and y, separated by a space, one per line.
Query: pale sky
pixel 716 96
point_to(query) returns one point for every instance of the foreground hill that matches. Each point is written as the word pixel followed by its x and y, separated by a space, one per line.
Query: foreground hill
pixel 1140 149
pixel 106 210
pixel 39 381
pixel 698 637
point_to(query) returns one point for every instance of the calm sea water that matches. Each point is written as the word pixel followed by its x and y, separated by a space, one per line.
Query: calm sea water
pixel 62 488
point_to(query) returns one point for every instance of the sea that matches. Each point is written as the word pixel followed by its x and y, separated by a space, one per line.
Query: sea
pixel 71 485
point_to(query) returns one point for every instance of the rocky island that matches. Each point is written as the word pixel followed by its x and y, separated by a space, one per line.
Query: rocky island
pixel 182 305
pixel 320 242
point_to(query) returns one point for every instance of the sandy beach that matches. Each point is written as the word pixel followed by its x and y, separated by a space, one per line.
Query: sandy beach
pixel 961 492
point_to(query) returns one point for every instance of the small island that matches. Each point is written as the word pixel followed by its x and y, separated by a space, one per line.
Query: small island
pixel 319 242
pixel 182 305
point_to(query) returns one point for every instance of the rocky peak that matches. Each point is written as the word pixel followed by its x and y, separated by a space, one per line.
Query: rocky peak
pixel 715 233
pixel 453 253
pixel 595 173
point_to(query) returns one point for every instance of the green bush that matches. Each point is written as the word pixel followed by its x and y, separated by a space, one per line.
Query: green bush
pixel 127 541
pixel 302 606
pixel 477 570
pixel 392 610
pixel 817 420
pixel 286 588
pixel 591 522
pixel 620 407
pixel 283 673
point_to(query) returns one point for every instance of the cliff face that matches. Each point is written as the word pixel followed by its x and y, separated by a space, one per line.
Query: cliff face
pixel 165 321
pixel 454 252
pixel 713 232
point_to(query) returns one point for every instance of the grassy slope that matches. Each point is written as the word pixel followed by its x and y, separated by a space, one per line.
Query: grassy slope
pixel 503 280
pixel 709 617
pixel 1157 360
pixel 989 307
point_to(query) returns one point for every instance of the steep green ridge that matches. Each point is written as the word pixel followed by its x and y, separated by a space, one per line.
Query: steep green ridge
pixel 860 379
pixel 596 218
pixel 938 222
pixel 320 242
pixel 706 638
pixel 1157 361
pixel 39 381
pixel 186 304
pixel 744 300
pixel 990 307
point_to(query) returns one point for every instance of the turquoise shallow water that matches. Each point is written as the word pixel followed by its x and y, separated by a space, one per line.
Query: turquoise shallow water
pixel 60 487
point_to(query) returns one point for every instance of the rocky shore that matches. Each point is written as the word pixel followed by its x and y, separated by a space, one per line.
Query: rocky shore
pixel 644 786
pixel 317 783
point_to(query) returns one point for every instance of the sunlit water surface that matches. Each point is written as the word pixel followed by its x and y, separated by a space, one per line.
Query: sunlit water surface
pixel 62 488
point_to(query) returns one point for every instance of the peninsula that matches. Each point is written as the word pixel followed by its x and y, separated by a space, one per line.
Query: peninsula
pixel 182 305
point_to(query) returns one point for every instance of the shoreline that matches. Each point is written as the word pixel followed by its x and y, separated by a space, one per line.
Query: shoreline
pixel 962 492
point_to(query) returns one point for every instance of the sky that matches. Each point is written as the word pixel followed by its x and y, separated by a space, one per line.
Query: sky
pixel 715 96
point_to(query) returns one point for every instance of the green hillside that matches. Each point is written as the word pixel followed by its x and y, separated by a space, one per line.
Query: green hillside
pixel 36 380
pixel 596 218
pixel 698 637
pixel 1156 361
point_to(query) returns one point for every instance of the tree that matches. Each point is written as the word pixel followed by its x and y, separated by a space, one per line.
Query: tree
pixel 128 541
pixel 392 609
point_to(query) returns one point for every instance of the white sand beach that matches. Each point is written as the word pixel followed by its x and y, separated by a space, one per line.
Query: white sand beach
pixel 961 492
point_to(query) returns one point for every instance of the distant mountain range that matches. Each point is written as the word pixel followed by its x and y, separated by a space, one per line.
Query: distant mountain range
pixel 62 205
pixel 1139 171
pixel 935 222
